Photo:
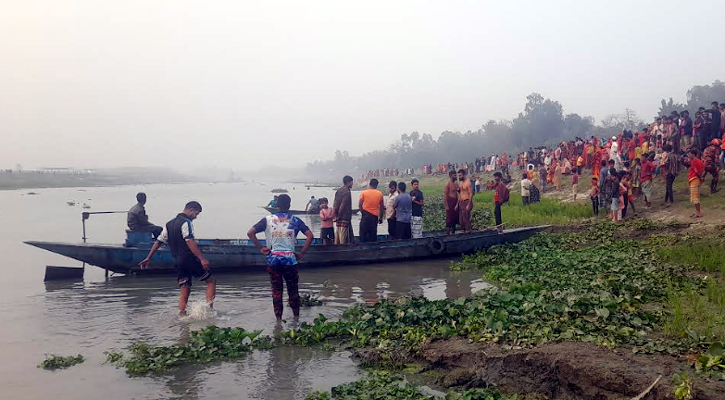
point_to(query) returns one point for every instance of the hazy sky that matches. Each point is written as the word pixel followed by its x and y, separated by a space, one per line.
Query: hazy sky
pixel 100 83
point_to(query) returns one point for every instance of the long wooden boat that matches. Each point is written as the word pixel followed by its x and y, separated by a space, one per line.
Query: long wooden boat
pixel 300 212
pixel 240 254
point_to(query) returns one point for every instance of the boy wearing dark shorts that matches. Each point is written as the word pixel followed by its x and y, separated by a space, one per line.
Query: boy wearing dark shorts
pixel 178 234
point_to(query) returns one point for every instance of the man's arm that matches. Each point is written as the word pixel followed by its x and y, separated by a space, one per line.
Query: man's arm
pixel 191 243
pixel 163 237
pixel 252 234
pixel 381 211
pixel 308 242
pixel 147 261
pixel 360 202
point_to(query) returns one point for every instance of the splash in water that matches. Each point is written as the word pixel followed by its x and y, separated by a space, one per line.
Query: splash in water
pixel 199 310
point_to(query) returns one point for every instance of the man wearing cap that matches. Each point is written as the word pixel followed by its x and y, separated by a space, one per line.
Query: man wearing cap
pixel 711 158
pixel 178 234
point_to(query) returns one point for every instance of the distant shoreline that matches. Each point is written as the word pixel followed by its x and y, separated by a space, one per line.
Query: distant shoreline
pixel 50 181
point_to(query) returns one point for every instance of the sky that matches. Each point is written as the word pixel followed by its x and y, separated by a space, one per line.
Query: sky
pixel 247 84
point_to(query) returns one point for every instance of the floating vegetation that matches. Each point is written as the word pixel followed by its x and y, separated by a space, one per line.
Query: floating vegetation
pixel 52 362
pixel 209 344
pixel 308 300
pixel 279 190
pixel 382 385
pixel 598 284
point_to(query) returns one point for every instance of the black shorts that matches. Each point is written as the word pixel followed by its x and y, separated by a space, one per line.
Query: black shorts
pixel 327 233
pixel 191 268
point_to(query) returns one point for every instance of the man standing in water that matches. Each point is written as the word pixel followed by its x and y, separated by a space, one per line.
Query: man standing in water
pixel 343 212
pixel 137 219
pixel 280 231
pixel 313 206
pixel 465 200
pixel 416 220
pixel 451 203
pixel 372 208
pixel 188 259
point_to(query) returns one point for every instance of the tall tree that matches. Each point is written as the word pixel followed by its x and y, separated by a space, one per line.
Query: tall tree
pixel 666 108
pixel 703 95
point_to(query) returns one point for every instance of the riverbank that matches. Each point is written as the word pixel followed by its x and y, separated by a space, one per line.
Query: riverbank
pixel 120 177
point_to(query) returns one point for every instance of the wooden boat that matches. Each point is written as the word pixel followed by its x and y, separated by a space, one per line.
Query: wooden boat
pixel 241 254
pixel 300 212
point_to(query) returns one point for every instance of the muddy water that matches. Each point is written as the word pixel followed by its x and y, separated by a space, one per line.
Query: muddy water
pixel 95 315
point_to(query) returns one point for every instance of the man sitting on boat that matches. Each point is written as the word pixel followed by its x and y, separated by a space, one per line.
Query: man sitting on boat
pixel 137 219
pixel 280 232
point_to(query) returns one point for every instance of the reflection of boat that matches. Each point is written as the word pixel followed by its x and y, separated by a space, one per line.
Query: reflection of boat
pixel 300 212
pixel 240 255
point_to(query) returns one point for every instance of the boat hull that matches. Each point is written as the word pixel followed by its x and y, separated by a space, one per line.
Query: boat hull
pixel 300 212
pixel 239 255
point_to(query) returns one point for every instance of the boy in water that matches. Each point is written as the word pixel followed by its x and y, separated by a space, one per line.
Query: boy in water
pixel 178 234
pixel 280 231
pixel 327 216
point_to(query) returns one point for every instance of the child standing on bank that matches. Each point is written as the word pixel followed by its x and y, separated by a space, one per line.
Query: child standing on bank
pixel 575 183
pixel 594 196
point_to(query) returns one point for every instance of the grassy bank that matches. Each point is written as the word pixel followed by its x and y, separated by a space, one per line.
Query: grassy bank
pixel 548 212
pixel 618 286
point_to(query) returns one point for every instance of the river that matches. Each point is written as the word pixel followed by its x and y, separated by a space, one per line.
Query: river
pixel 95 315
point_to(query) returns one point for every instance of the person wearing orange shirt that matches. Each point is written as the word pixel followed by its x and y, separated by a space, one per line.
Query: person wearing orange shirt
pixel 372 208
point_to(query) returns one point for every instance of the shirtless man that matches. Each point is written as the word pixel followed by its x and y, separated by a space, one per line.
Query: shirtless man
pixel 451 203
pixel 465 201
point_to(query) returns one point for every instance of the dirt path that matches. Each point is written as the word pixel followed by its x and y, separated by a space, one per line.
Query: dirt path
pixel 560 371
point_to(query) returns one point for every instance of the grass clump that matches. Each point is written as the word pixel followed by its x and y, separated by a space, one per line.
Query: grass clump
pixel 52 362
pixel 699 314
pixel 698 253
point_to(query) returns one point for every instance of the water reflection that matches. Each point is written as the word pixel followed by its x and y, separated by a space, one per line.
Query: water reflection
pixel 127 309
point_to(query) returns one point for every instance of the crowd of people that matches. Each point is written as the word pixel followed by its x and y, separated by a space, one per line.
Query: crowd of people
pixel 623 169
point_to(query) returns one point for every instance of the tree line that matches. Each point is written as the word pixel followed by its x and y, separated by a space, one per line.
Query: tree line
pixel 541 123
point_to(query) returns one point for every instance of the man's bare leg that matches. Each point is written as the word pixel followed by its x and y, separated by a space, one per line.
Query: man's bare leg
pixel 210 291
pixel 184 299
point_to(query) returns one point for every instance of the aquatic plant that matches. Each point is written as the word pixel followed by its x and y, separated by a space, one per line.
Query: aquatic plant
pixel 383 385
pixel 209 344
pixel 308 300
pixel 712 362
pixel 683 386
pixel 52 362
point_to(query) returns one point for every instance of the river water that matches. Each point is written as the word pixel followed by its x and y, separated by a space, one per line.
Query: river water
pixel 95 315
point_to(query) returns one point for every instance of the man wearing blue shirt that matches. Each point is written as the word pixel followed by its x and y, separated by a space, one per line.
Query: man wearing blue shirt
pixel 403 212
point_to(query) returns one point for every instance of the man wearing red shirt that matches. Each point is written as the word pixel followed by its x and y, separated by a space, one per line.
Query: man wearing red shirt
pixel 500 196
pixel 648 169
pixel 694 179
